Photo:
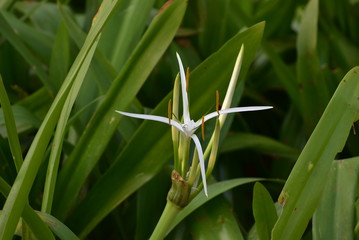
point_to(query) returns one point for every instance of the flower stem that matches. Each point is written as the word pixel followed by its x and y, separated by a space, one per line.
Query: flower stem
pixel 177 199
pixel 169 214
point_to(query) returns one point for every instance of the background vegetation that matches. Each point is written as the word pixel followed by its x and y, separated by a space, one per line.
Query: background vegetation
pixel 98 175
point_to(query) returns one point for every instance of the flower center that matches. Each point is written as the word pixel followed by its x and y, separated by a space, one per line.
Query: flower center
pixel 189 128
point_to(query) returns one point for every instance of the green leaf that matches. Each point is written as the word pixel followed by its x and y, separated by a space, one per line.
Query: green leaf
pixel 56 150
pixel 6 4
pixel 38 103
pixel 36 12
pixel 307 37
pixel 24 120
pixel 38 41
pixel 9 33
pixel 149 205
pixel 334 216
pixel 102 68
pixel 264 212
pixel 278 15
pixel 314 92
pixel 213 190
pixel 122 92
pixel 32 220
pixel 284 73
pixel 124 30
pixel 302 191
pixel 19 192
pixel 10 124
pixel 60 229
pixel 213 23
pixel 263 144
pixel 214 220
pixel 60 58
pixel 154 138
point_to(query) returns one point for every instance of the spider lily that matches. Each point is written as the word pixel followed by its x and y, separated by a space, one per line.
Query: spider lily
pixel 189 126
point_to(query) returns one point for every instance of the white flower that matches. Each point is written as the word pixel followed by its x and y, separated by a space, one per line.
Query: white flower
pixel 189 127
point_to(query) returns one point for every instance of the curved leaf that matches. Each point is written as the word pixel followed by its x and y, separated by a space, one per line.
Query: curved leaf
pixel 303 189
pixel 264 212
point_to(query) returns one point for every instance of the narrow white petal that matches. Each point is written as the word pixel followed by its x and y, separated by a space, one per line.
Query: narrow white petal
pixel 201 162
pixel 231 110
pixel 244 109
pixel 153 118
pixel 186 114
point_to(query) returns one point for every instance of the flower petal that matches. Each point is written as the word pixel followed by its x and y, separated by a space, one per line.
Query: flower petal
pixel 186 114
pixel 232 110
pixel 153 118
pixel 201 162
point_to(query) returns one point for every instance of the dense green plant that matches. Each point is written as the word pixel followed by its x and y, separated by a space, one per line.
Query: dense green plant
pixel 71 167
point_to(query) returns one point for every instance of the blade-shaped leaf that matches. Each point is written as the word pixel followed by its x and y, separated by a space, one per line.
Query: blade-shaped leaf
pixel 314 93
pixel 264 212
pixel 9 33
pixel 19 192
pixel 215 220
pixel 33 221
pixel 100 130
pixel 306 182
pixel 334 217
pixel 238 141
pixel 214 190
pixel 12 135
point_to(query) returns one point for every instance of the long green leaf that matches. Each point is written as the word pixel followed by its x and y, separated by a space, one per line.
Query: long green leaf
pixel 24 120
pixel 284 72
pixel 100 130
pixel 264 212
pixel 214 220
pixel 60 54
pixel 101 68
pixel 60 229
pixel 33 221
pixel 314 93
pixel 129 32
pixel 33 218
pixel 10 126
pixel 156 146
pixel 303 189
pixel 149 205
pixel 55 155
pixel 334 217
pixel 39 42
pixel 18 195
pixel 238 141
pixel 214 190
pixel 31 59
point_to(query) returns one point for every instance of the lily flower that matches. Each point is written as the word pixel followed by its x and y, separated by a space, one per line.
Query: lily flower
pixel 189 126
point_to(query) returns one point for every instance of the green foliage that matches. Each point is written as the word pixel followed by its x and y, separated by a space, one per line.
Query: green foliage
pixel 334 217
pixel 72 168
pixel 264 211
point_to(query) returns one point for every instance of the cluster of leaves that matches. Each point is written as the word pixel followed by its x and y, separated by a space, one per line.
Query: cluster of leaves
pixel 98 175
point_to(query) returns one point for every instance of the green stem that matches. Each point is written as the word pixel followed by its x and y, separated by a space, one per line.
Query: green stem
pixel 183 154
pixel 169 214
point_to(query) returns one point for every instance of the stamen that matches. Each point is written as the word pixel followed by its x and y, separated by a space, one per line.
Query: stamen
pixel 169 109
pixel 202 128
pixel 217 102
pixel 187 78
